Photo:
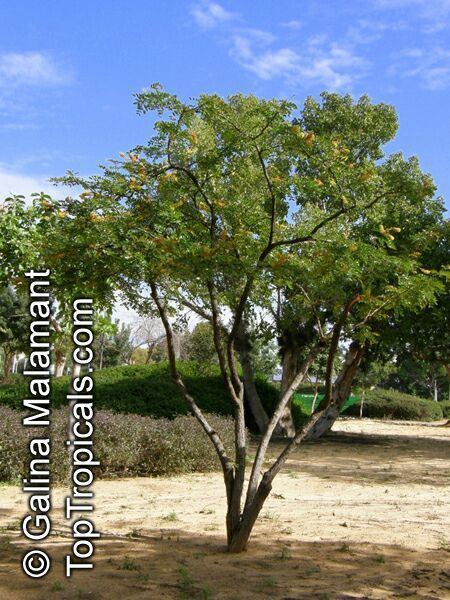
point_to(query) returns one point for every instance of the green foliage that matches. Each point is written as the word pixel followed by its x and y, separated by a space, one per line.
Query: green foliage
pixel 14 319
pixel 125 445
pixel 445 406
pixel 148 390
pixel 112 345
pixel 198 345
pixel 389 404
pixel 265 357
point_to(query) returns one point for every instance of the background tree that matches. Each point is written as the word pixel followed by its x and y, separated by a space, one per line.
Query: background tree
pixel 147 332
pixel 14 327
pixel 198 345
pixel 112 343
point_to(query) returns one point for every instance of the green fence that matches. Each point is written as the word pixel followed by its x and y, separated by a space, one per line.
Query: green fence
pixel 306 400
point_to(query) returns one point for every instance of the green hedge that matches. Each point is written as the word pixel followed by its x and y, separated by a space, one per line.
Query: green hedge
pixel 148 390
pixel 445 406
pixel 389 404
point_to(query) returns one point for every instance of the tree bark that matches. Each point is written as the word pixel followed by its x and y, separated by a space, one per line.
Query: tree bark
pixel 7 363
pixel 339 393
pixel 243 348
pixel 286 425
pixel 241 535
pixel 316 393
pixel 60 363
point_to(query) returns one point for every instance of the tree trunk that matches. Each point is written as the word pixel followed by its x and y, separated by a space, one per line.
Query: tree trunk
pixel 239 539
pixel 361 408
pixel 324 424
pixel 7 364
pixel 251 393
pixel 243 348
pixel 316 393
pixel 340 392
pixel 286 425
pixel 60 363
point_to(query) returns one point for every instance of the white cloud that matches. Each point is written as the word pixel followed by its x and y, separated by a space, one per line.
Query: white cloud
pixel 314 62
pixel 436 12
pixel 430 65
pixel 12 182
pixel 30 69
pixel 317 62
pixel 293 24
pixel 209 14
pixel 266 63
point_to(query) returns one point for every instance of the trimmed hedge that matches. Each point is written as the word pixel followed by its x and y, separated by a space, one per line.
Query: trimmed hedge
pixel 389 404
pixel 125 445
pixel 148 390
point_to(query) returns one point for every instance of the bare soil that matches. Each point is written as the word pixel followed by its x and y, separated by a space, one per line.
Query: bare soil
pixel 361 514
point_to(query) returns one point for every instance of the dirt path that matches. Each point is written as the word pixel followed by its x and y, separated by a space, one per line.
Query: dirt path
pixel 373 525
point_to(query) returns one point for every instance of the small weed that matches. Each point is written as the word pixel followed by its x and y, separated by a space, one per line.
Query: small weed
pixel 444 545
pixel 5 542
pixel 57 586
pixel 269 516
pixel 266 583
pixel 206 593
pixel 128 564
pixel 287 531
pixel 212 527
pixel 285 554
pixel 380 558
pixel 207 511
pixel 278 496
pixel 344 548
pixel 14 525
pixel 185 582
pixel 170 518
pixel 270 581
pixel 134 533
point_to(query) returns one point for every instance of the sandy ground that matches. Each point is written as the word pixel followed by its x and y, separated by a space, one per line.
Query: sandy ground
pixel 363 514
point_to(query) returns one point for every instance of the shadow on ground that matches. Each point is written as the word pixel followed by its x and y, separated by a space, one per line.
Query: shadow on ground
pixel 156 565
pixel 430 457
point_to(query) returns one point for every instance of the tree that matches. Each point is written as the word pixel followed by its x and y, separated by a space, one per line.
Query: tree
pixel 227 194
pixel 199 344
pixel 149 332
pixel 421 342
pixel 264 356
pixel 112 343
pixel 14 327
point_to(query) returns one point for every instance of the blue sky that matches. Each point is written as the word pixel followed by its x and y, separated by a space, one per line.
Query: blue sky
pixel 68 70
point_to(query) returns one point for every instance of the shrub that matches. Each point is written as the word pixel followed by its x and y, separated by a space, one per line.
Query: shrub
pixel 148 390
pixel 445 406
pixel 125 445
pixel 389 404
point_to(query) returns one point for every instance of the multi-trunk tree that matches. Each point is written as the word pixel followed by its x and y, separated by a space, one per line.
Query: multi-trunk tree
pixel 228 196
